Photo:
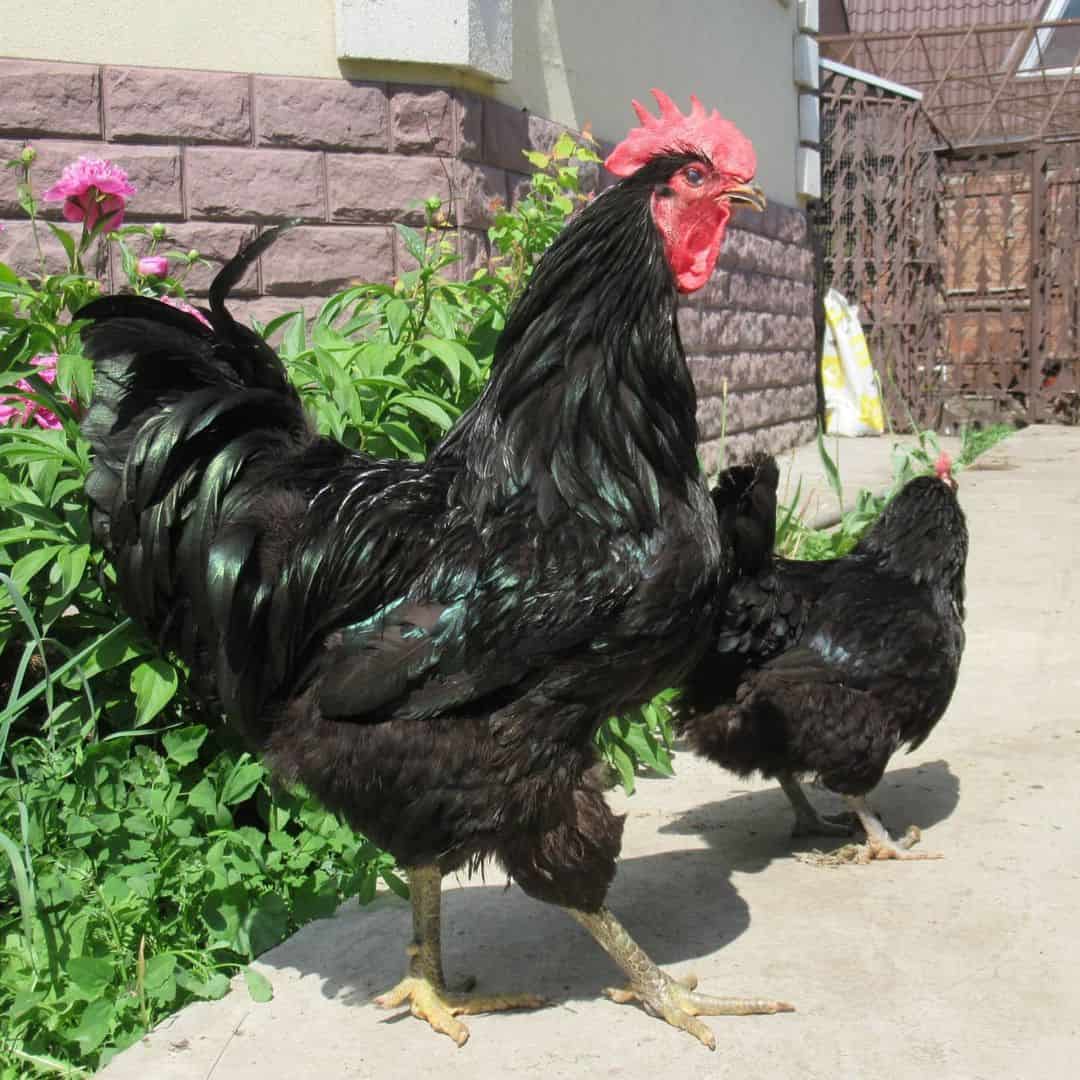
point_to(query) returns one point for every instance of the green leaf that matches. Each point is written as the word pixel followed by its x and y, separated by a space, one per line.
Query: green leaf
pixel 158 980
pixel 75 376
pixel 258 985
pixel 203 796
pixel 564 146
pixel 413 241
pixel 32 563
pixel 72 562
pixel 404 438
pixel 534 157
pixel 182 745
pixel 153 683
pixel 90 975
pixel 397 314
pixel 94 1025
pixel 294 340
pixel 624 763
pixel 426 408
pixel 242 781
pixel 213 987
pixel 66 240
pixel 268 923
pixel 831 470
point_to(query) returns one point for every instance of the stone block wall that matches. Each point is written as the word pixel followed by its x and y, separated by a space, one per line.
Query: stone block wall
pixel 750 340
pixel 216 155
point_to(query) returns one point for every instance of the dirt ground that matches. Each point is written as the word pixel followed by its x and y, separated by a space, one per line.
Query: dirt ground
pixel 962 968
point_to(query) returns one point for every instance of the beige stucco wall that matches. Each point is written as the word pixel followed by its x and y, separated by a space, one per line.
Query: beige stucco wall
pixel 574 60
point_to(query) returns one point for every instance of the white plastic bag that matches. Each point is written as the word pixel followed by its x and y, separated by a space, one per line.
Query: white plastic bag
pixel 852 400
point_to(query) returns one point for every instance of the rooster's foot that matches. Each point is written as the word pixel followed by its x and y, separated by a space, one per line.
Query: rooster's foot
pixel 678 1002
pixel 675 1001
pixel 440 1008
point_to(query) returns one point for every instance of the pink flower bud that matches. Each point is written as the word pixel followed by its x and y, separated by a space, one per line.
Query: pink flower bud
pixel 153 266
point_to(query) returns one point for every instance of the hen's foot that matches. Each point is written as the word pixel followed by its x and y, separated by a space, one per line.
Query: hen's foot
pixel 879 844
pixel 678 1002
pixel 440 1008
pixel 824 824
pixel 808 821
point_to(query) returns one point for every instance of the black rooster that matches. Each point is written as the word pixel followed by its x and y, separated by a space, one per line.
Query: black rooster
pixel 829 667
pixel 430 647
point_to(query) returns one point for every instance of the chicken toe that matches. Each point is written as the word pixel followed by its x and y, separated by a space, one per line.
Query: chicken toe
pixel 673 1000
pixel 440 1008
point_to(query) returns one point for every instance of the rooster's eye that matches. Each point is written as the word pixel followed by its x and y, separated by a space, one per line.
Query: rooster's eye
pixel 694 176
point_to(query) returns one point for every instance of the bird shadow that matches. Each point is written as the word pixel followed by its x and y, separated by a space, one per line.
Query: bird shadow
pixel 678 905
pixel 752 828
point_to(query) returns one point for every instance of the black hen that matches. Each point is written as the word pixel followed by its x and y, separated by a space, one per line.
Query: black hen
pixel 430 647
pixel 829 667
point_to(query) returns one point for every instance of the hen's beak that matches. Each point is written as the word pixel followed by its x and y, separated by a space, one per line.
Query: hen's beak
pixel 750 194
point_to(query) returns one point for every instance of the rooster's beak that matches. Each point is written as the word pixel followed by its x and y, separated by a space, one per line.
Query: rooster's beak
pixel 750 194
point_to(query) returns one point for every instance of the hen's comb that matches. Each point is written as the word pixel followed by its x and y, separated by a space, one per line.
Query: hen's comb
pixel 943 466
pixel 699 132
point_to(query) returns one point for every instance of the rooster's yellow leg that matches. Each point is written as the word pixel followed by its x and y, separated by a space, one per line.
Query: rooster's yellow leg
pixel 424 988
pixel 676 1002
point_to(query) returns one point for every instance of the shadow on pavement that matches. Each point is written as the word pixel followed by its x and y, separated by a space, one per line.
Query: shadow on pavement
pixel 751 829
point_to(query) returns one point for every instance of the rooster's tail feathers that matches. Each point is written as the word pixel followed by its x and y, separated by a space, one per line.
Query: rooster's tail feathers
pixel 187 423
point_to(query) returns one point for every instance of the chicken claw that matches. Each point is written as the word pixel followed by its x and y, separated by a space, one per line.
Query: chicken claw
pixel 677 1002
pixel 673 1000
pixel 440 1008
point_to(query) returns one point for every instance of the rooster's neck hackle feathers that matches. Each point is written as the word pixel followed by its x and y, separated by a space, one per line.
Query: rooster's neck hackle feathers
pixel 590 409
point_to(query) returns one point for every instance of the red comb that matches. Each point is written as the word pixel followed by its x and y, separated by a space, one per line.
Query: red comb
pixel 943 465
pixel 706 133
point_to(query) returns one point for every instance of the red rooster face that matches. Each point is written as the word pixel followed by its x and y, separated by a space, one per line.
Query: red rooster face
pixel 714 164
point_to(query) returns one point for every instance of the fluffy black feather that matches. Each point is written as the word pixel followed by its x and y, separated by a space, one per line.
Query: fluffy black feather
pixel 828 667
pixel 431 646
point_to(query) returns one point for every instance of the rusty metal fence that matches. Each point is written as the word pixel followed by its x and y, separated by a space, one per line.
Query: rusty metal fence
pixel 963 260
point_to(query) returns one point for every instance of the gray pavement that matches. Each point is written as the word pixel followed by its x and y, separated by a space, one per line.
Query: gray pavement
pixel 962 968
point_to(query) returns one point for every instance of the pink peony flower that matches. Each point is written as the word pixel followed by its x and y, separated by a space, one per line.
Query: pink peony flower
pixel 92 189
pixel 183 305
pixel 153 266
pixel 29 410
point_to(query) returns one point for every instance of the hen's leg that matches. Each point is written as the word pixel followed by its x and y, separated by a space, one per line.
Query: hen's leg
pixel 879 844
pixel 424 987
pixel 808 820
pixel 676 1002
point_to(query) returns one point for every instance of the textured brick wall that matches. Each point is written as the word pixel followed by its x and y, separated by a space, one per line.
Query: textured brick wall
pixel 213 155
pixel 752 327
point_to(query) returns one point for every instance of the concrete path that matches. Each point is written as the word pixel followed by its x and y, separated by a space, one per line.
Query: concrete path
pixel 964 968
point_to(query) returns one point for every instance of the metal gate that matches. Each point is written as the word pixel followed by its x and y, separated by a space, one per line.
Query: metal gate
pixel 964 260
pixel 878 229
pixel 1012 321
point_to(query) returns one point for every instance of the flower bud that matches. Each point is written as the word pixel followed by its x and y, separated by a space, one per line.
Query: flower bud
pixel 153 266
pixel 28 154
pixel 157 231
